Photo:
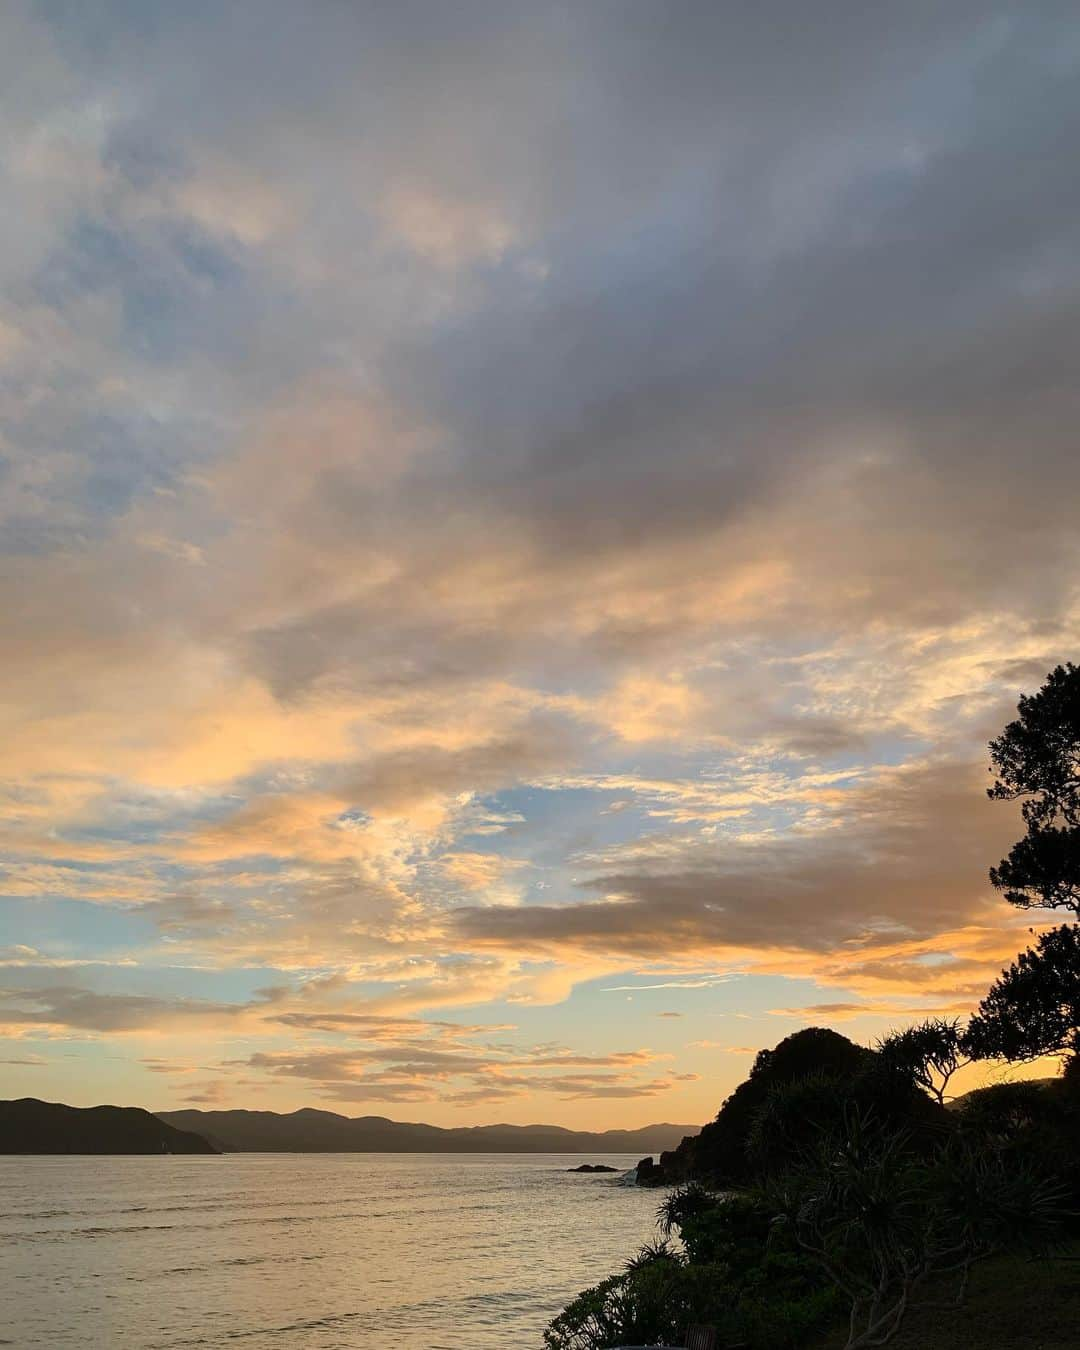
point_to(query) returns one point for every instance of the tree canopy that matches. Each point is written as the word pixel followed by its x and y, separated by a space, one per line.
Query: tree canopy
pixel 1042 870
pixel 1037 760
pixel 1033 1008
pixel 1037 756
pixel 928 1054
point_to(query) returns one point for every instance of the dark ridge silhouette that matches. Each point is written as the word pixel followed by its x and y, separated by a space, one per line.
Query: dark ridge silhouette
pixel 312 1131
pixel 31 1126
pixel 833 1070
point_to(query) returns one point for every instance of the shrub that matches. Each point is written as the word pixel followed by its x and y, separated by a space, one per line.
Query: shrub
pixel 1006 1114
pixel 1031 1125
pixel 682 1204
pixel 882 1224
pixel 731 1231
pixel 760 1294
pixel 652 1252
pixel 653 1304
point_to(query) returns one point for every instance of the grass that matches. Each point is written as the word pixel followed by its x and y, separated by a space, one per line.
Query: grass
pixel 1012 1304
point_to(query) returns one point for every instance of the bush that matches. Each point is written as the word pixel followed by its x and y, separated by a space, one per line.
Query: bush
pixel 1007 1114
pixel 683 1204
pixel 1030 1125
pixel 759 1294
pixel 882 1223
pixel 656 1304
pixel 732 1231
pixel 652 1304
pixel 791 1114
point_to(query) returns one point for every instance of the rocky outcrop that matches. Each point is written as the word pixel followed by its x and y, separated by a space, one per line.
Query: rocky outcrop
pixel 650 1174
pixel 592 1167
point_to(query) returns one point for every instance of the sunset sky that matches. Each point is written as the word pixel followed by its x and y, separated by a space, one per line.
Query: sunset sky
pixel 518 522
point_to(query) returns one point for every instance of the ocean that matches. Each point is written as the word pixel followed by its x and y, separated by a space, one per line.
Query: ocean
pixel 321 1251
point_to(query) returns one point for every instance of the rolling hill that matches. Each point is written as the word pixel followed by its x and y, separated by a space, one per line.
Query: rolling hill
pixel 313 1131
pixel 31 1126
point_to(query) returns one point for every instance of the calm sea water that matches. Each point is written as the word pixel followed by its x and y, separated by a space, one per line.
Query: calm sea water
pixel 387 1251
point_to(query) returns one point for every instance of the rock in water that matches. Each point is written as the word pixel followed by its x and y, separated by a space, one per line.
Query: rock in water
pixel 648 1174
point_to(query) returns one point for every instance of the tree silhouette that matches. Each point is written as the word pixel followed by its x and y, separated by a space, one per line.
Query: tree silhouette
pixel 1033 1008
pixel 928 1054
pixel 1042 870
pixel 1037 759
pixel 1038 755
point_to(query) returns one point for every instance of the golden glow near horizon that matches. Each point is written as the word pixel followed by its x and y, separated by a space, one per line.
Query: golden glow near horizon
pixel 518 524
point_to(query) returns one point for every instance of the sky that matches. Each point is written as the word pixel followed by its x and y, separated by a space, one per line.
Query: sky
pixel 517 524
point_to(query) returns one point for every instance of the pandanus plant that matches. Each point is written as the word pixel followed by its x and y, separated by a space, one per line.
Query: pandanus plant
pixel 888 1228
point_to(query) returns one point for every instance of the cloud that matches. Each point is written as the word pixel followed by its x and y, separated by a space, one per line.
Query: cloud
pixel 210 1093
pixel 503 498
pixel 832 1011
pixel 64 1008
pixel 446 1070
pixel 870 861
pixel 163 1066
pixel 704 982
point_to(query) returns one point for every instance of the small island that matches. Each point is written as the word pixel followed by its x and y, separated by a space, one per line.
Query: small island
pixel 593 1167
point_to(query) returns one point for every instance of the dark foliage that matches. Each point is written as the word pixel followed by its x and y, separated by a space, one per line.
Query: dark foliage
pixel 1006 1113
pixel 758 1294
pixel 662 1250
pixel 1033 1008
pixel 720 1152
pixel 731 1230
pixel 861 1223
pixel 804 1082
pixel 869 1196
pixel 1031 1125
pixel 651 1305
pixel 927 1055
pixel 797 1113
pixel 1070 1080
pixel 681 1206
pixel 1042 870
pixel 884 1226
pixel 1037 760
pixel 1037 756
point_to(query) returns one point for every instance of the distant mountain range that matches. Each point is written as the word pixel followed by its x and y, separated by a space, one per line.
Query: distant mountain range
pixel 31 1126
pixel 311 1131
